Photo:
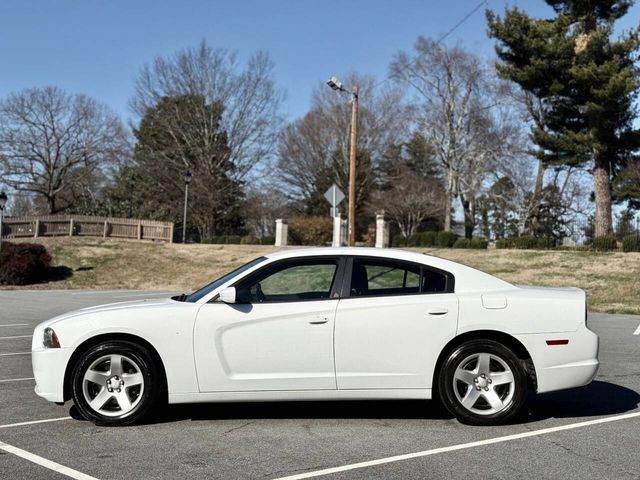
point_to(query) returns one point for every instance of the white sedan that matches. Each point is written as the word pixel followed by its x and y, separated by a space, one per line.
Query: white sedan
pixel 323 324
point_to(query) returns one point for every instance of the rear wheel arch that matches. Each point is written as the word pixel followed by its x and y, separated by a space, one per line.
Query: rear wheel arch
pixel 505 339
pixel 107 337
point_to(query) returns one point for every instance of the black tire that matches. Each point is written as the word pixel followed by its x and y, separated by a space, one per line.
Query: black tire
pixel 511 395
pixel 143 397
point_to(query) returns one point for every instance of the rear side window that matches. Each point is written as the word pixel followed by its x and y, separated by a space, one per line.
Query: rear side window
pixel 375 277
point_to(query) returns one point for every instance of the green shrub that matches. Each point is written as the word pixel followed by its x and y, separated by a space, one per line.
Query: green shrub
pixel 605 243
pixel 268 240
pixel 545 243
pixel 249 240
pixel 310 230
pixel 504 243
pixel 631 243
pixel 478 244
pixel 413 240
pixel 427 239
pixel 445 239
pixel 462 243
pixel 525 242
pixel 23 263
pixel 399 241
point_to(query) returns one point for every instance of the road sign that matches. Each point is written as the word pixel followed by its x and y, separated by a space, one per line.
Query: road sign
pixel 334 195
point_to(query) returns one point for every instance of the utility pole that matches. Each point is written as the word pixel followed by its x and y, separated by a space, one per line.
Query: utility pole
pixel 335 84
pixel 352 166
pixel 187 180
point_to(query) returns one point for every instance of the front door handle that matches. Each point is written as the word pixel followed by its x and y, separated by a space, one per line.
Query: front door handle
pixel 319 320
pixel 438 311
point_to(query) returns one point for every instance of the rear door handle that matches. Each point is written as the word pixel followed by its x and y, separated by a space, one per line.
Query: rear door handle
pixel 438 311
pixel 319 320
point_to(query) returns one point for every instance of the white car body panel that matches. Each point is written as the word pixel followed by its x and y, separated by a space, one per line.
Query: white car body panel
pixel 385 347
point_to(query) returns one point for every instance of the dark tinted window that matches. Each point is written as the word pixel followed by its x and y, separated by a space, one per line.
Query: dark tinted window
pixel 386 277
pixel 290 281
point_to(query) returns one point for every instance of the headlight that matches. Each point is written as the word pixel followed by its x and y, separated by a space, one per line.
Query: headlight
pixel 50 338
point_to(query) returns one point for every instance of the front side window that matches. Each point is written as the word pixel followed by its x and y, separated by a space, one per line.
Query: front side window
pixel 378 277
pixel 289 282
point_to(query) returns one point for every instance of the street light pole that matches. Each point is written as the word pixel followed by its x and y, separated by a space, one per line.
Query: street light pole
pixel 352 166
pixel 3 202
pixel 337 85
pixel 187 181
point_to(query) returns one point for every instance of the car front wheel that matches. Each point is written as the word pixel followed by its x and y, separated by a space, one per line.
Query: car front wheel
pixel 115 383
pixel 483 383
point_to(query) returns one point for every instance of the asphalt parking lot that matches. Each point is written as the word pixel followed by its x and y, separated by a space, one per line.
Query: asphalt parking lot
pixel 592 432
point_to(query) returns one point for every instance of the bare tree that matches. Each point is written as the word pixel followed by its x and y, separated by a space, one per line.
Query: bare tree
pixel 457 94
pixel 52 141
pixel 248 96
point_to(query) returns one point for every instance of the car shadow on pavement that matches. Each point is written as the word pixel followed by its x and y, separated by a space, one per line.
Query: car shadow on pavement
pixel 597 399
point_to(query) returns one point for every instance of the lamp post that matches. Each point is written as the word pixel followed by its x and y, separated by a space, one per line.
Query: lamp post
pixel 337 86
pixel 3 203
pixel 187 181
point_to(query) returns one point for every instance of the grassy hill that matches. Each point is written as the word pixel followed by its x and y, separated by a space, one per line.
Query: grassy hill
pixel 611 280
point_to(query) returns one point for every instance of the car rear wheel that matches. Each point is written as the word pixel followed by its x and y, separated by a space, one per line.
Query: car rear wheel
pixel 115 383
pixel 483 383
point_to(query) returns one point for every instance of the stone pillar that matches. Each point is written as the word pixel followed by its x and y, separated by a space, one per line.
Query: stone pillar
pixel 339 232
pixel 382 232
pixel 281 233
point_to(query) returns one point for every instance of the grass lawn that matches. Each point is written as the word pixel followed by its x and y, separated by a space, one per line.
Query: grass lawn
pixel 611 280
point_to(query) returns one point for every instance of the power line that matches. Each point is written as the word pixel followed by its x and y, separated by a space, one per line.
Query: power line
pixel 443 36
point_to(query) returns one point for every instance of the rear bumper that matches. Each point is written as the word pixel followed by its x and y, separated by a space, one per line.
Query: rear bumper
pixel 559 367
pixel 49 365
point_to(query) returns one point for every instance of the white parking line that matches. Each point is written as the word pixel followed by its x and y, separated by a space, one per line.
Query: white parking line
pixel 15 336
pixel 7 380
pixel 12 354
pixel 14 325
pixel 56 467
pixel 34 422
pixel 637 332
pixel 462 446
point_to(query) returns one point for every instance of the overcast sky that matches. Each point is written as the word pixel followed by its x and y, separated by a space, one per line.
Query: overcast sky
pixel 97 47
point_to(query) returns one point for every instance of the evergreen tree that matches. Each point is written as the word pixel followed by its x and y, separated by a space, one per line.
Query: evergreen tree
pixel 587 82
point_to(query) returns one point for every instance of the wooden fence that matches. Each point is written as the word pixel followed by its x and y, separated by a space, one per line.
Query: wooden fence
pixel 86 226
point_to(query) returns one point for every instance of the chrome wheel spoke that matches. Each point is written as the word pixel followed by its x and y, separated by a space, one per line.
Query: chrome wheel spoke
pixel 493 399
pixel 103 397
pixel 123 401
pixel 500 378
pixel 116 365
pixel 464 376
pixel 94 376
pixel 132 379
pixel 484 361
pixel 470 398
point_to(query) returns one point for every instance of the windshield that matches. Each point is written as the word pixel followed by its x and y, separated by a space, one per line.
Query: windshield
pixel 197 295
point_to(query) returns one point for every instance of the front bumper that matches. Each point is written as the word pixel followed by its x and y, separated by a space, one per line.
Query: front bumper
pixel 49 366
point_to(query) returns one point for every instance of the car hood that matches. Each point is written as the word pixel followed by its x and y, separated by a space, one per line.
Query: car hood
pixel 135 304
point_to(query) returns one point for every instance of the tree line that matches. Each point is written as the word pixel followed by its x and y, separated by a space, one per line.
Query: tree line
pixel 518 145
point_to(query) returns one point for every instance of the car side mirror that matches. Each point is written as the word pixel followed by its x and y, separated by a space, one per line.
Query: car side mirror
pixel 228 295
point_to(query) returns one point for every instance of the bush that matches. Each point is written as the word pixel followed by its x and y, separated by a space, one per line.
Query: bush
pixel 462 243
pixel 268 240
pixel 23 263
pixel 631 243
pixel 399 241
pixel 249 240
pixel 310 230
pixel 445 239
pixel 545 243
pixel 525 242
pixel 502 243
pixel 478 244
pixel 427 239
pixel 605 243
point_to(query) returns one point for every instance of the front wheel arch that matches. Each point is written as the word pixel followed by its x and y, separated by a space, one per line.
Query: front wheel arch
pixel 504 338
pixel 107 337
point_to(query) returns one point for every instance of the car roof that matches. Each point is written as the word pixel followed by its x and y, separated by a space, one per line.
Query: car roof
pixel 467 278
